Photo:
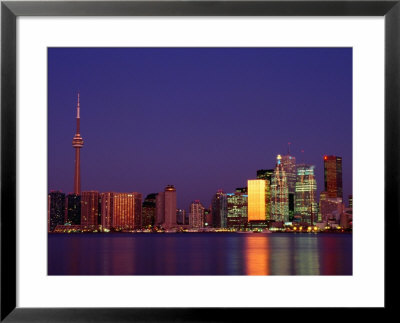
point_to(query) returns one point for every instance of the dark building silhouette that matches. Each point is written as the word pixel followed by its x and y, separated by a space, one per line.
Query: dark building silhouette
pixel 149 210
pixel 73 209
pixel 265 174
pixel 56 209
pixel 219 209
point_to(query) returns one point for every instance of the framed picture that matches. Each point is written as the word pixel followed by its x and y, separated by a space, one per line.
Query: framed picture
pixel 178 154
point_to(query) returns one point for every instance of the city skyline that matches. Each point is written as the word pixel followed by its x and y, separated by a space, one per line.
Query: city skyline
pixel 234 173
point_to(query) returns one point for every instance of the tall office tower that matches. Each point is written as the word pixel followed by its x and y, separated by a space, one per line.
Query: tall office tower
pixel 149 210
pixel 306 190
pixel 279 194
pixel 265 174
pixel 56 209
pixel 196 215
pixel 289 166
pixel 127 211
pixel 351 201
pixel 170 207
pixel 322 197
pixel 73 209
pixel 180 216
pixel 333 176
pixel 237 209
pixel 219 209
pixel 166 208
pixel 77 143
pixel 89 210
pixel 107 207
pixel 258 204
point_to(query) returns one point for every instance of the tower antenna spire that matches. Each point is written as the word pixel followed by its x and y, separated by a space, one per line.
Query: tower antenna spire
pixel 289 143
pixel 78 108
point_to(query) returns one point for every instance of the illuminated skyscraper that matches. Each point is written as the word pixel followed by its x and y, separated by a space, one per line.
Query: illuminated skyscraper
pixel 333 176
pixel 306 190
pixel 219 209
pixel 196 215
pixel 351 201
pixel 77 143
pixel 73 209
pixel 289 166
pixel 56 209
pixel 166 208
pixel 127 211
pixel 258 205
pixel 279 194
pixel 89 210
pixel 237 210
pixel 149 210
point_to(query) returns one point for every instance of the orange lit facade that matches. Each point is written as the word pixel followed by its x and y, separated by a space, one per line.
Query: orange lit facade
pixel 258 204
pixel 107 207
pixel 127 211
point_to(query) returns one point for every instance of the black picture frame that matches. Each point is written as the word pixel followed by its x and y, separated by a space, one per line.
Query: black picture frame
pixel 10 10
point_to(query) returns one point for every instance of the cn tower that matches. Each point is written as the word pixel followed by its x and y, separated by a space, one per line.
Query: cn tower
pixel 77 143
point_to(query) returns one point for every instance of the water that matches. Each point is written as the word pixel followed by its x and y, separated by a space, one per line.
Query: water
pixel 199 254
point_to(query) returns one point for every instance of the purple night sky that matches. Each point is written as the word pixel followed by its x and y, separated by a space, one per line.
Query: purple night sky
pixel 201 119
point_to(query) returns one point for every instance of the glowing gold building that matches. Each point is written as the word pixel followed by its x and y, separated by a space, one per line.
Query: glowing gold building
pixel 258 204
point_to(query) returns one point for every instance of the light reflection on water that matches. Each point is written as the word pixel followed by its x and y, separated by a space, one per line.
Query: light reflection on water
pixel 200 254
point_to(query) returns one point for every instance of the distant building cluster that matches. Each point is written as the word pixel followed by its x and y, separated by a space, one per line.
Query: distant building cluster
pixel 280 198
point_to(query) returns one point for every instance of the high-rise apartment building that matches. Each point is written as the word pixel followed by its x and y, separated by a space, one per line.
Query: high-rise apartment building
pixel 89 210
pixel 196 215
pixel 236 209
pixel 333 176
pixel 219 209
pixel 279 193
pixel 107 209
pixel 306 189
pixel 55 209
pixel 127 211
